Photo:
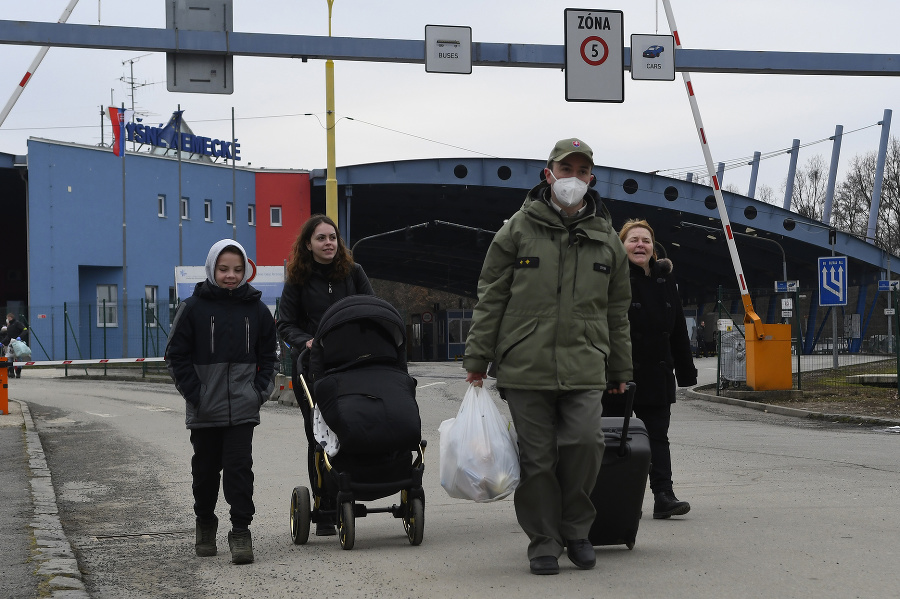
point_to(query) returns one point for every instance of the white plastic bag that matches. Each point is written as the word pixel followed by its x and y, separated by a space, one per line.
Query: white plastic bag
pixel 479 455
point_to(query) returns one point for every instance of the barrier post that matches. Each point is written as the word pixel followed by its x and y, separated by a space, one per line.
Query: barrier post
pixel 4 388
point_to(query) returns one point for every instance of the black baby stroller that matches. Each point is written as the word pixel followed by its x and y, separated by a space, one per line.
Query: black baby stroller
pixel 358 380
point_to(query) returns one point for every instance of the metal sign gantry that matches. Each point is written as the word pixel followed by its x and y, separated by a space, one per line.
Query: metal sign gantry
pixel 140 39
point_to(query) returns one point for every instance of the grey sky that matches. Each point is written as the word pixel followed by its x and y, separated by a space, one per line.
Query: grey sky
pixel 402 112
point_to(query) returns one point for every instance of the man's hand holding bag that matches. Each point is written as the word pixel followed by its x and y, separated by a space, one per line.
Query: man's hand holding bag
pixel 479 455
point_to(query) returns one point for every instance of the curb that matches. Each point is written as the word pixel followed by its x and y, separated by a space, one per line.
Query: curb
pixel 692 393
pixel 53 554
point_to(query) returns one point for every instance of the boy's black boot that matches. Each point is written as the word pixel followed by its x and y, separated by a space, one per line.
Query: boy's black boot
pixel 241 545
pixel 205 544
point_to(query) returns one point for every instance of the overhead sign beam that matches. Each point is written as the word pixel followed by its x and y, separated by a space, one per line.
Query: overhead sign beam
pixel 138 39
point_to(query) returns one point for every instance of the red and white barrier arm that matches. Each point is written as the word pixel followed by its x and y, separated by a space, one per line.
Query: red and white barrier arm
pixel 749 313
pixel 34 66
pixel 98 361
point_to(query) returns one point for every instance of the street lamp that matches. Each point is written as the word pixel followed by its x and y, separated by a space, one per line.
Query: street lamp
pixel 717 231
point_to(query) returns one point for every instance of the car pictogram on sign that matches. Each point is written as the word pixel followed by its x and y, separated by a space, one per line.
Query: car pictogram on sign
pixel 653 52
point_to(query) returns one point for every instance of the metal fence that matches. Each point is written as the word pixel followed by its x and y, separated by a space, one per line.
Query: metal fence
pixel 74 331
pixel 826 354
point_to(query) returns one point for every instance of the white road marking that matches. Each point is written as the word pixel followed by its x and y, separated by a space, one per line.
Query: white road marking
pixel 431 385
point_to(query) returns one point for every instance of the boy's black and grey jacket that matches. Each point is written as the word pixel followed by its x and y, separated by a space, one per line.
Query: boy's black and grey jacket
pixel 221 355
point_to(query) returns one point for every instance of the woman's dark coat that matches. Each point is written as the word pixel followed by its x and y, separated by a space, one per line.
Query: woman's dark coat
pixel 302 306
pixel 659 336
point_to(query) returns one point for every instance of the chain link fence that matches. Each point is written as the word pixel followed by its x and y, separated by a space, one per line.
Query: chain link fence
pixel 832 348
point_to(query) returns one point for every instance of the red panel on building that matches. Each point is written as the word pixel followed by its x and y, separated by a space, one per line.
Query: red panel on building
pixel 289 192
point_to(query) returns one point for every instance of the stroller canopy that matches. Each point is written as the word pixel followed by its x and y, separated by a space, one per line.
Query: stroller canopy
pixel 358 328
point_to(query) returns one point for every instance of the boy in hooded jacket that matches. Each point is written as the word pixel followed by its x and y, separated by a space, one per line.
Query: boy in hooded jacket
pixel 221 355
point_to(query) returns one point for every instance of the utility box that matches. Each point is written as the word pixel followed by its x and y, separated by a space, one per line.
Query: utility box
pixel 769 357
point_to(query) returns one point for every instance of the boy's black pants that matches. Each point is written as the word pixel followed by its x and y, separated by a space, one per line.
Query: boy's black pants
pixel 227 450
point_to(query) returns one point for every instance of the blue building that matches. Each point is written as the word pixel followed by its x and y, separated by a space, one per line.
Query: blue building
pixel 108 232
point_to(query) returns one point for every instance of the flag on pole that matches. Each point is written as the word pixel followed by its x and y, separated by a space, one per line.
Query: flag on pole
pixel 119 116
pixel 168 135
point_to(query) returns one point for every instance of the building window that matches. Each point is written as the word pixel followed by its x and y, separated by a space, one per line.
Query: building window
pixel 161 205
pixel 275 216
pixel 229 213
pixel 151 305
pixel 173 304
pixel 107 306
pixel 251 214
pixel 185 209
pixel 207 210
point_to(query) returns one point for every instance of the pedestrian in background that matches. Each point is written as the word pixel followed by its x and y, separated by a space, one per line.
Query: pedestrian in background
pixel 221 355
pixel 661 351
pixel 552 317
pixel 320 271
pixel 701 339
pixel 13 329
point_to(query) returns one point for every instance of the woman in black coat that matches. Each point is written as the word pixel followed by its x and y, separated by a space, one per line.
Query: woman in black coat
pixel 320 271
pixel 661 352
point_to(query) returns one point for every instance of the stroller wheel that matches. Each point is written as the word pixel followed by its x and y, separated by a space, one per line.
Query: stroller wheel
pixel 346 525
pixel 300 515
pixel 414 521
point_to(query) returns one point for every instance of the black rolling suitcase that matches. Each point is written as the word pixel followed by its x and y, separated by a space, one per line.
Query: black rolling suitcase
pixel 619 493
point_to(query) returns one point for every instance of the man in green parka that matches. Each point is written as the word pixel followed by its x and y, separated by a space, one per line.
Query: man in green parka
pixel 552 316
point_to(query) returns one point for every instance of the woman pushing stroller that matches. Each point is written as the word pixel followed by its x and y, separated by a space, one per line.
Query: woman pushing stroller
pixel 320 271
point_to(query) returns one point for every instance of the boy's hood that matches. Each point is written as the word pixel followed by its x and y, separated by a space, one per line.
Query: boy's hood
pixel 213 255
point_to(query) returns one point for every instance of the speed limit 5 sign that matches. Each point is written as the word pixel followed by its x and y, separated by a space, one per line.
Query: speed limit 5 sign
pixel 595 55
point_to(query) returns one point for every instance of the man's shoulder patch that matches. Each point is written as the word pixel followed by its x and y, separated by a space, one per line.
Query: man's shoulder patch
pixel 604 268
pixel 527 262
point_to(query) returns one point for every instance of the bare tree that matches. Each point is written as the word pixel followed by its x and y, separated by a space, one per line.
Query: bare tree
pixel 853 195
pixel 810 182
pixel 766 194
pixel 887 234
pixel 853 198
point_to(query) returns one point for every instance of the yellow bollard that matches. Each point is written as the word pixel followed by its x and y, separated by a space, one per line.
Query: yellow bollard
pixel 768 356
pixel 4 388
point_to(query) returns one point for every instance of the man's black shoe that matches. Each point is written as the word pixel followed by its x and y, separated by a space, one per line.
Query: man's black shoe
pixel 581 553
pixel 666 505
pixel 545 564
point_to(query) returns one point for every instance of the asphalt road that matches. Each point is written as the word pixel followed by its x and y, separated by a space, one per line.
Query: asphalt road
pixel 781 507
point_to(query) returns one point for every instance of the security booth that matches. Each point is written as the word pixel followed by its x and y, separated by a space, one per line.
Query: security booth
pixel 452 330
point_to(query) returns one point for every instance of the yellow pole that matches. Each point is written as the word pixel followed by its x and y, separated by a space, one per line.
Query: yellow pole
pixel 331 186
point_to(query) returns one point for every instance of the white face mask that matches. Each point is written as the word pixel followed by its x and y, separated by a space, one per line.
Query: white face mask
pixel 569 191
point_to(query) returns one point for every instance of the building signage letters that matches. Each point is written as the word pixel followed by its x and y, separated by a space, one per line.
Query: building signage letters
pixel 195 144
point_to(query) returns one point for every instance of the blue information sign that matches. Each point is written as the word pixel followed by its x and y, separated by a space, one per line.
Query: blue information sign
pixel 786 286
pixel 833 281
pixel 885 285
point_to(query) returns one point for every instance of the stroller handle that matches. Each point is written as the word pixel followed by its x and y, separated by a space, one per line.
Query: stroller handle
pixel 306 391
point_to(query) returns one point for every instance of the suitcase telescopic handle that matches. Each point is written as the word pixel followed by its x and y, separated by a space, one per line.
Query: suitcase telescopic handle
pixel 630 388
